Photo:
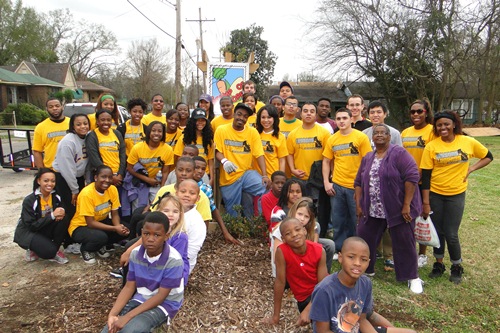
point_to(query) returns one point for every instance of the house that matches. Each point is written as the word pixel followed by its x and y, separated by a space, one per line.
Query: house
pixel 25 88
pixel 60 74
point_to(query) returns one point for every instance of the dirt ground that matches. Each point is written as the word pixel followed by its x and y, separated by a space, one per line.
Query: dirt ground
pixel 230 289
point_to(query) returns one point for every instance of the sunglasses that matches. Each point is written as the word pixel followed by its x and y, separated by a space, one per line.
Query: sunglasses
pixel 158 100
pixel 419 111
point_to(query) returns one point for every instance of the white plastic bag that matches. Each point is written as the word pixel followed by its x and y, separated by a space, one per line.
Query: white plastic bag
pixel 425 233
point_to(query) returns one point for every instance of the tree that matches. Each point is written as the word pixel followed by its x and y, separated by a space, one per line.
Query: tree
pixel 90 47
pixel 244 41
pixel 61 25
pixel 411 49
pixel 24 35
pixel 148 66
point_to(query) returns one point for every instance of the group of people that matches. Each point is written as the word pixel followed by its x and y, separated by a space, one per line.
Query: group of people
pixel 328 189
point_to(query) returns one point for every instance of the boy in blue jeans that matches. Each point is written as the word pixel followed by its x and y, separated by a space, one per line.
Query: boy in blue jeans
pixel 154 290
pixel 342 302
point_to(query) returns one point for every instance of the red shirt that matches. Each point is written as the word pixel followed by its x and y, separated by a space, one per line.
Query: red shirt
pixel 302 270
pixel 267 202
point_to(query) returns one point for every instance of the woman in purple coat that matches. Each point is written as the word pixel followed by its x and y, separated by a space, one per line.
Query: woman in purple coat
pixel 386 198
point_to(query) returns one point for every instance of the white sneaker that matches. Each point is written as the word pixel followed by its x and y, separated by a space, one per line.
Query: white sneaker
pixel 30 256
pixel 416 285
pixel 73 248
pixel 335 256
pixel 422 260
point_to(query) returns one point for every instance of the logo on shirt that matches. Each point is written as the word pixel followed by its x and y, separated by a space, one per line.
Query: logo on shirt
pixel 414 142
pixel 52 135
pixel 345 149
pixel 348 317
pixel 452 157
pixel 309 143
pixel 268 147
pixel 238 147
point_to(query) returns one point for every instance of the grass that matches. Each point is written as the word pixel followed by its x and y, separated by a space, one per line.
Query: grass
pixel 474 305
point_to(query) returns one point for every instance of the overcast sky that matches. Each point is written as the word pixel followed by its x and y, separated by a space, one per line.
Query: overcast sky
pixel 284 24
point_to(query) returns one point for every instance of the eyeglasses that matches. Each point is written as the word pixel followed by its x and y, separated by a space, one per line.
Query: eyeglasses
pixel 291 104
pixel 419 111
pixel 158 100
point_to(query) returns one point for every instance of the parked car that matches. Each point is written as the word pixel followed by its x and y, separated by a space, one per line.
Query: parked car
pixel 88 108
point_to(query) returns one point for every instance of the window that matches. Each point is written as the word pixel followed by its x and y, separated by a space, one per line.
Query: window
pixel 462 106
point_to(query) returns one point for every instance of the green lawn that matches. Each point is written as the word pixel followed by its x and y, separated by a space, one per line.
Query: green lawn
pixel 474 305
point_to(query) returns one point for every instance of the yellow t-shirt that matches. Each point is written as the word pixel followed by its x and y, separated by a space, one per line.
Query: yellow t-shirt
pixel 152 159
pixel 202 205
pixel 307 146
pixel 179 147
pixel 172 138
pixel 449 162
pixel 150 117
pixel 347 151
pixel 46 138
pixel 109 149
pixel 238 147
pixel 286 128
pixel 47 208
pixel 220 120
pixel 252 120
pixel 92 203
pixel 133 135
pixel 274 149
pixel 414 141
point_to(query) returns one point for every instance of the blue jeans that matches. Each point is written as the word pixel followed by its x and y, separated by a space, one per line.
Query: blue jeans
pixel 250 182
pixel 143 322
pixel 343 215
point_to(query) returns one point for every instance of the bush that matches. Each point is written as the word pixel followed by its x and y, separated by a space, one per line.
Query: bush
pixel 242 227
pixel 26 114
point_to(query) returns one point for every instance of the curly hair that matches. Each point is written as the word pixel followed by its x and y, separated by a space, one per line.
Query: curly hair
pixel 135 102
pixel 190 136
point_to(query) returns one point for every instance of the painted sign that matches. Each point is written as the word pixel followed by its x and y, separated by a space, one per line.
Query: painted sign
pixel 226 79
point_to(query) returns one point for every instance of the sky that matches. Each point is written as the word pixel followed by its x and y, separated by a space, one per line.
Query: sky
pixel 284 23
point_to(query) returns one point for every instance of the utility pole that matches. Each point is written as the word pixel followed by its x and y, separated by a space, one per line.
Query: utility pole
pixel 178 45
pixel 203 57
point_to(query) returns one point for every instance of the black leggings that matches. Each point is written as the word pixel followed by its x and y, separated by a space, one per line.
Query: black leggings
pixel 47 240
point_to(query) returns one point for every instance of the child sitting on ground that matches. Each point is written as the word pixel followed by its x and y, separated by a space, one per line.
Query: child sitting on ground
pixel 154 290
pixel 300 262
pixel 343 300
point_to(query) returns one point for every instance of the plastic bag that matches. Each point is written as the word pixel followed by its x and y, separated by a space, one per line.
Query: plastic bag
pixel 425 233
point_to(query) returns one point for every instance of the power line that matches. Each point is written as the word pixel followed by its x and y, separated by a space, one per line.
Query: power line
pixel 147 18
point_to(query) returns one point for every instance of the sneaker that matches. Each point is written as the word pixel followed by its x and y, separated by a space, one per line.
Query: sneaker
pixel 335 256
pixel 60 258
pixel 73 248
pixel 30 256
pixel 456 273
pixel 388 265
pixel 117 273
pixel 110 248
pixel 329 234
pixel 416 285
pixel 422 260
pixel 437 270
pixel 370 274
pixel 103 253
pixel 88 257
pixel 379 255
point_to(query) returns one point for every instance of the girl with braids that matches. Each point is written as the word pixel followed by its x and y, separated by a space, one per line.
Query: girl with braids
pixel 198 131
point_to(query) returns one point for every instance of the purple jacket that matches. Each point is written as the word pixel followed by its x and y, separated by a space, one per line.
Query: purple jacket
pixel 396 168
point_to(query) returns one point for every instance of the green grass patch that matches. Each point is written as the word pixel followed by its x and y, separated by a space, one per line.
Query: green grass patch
pixel 474 305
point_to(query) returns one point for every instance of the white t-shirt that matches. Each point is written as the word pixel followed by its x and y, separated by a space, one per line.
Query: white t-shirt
pixel 196 230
